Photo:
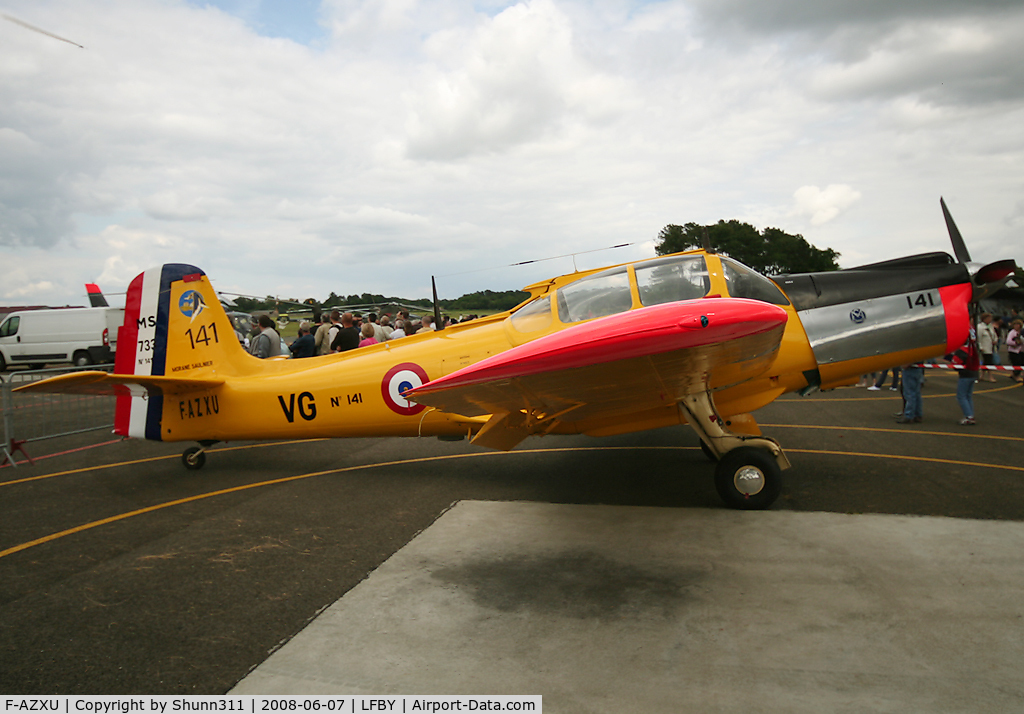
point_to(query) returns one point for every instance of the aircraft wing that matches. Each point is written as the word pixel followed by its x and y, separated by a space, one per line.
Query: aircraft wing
pixel 619 365
pixel 104 383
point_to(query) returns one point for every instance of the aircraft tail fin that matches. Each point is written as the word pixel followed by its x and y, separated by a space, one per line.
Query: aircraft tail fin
pixel 174 327
pixel 96 296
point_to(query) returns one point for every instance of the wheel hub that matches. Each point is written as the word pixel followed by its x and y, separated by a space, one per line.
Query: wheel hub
pixel 749 480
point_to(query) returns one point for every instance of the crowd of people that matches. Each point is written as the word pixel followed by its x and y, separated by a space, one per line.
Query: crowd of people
pixel 336 331
pixel 982 348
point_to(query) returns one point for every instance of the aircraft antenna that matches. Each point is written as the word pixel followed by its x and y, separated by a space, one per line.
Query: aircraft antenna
pixel 541 260
pixel 707 241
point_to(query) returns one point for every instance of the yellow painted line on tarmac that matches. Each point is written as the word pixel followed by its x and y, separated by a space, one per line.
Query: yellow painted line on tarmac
pixel 896 395
pixel 149 460
pixel 236 489
pixel 427 459
pixel 899 457
pixel 974 435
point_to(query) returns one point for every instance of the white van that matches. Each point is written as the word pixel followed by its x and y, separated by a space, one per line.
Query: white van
pixel 81 336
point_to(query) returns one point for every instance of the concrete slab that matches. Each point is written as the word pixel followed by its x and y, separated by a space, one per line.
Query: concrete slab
pixel 610 608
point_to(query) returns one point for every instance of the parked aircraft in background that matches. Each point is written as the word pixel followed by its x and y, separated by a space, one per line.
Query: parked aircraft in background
pixel 693 338
pixel 96 296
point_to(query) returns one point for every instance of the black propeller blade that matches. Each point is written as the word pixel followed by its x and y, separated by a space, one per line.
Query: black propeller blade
pixel 959 247
pixel 987 279
pixel 438 325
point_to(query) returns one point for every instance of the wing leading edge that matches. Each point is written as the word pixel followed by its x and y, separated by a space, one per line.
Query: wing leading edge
pixel 612 367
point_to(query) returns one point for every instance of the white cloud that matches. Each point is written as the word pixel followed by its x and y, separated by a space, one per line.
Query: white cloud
pixel 173 205
pixel 506 81
pixel 822 205
pixel 945 61
pixel 428 137
pixel 21 289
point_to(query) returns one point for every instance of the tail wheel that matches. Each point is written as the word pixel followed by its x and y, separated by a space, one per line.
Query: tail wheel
pixel 194 457
pixel 82 359
pixel 748 478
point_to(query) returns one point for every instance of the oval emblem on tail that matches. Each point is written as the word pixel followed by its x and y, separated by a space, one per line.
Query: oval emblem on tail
pixel 191 304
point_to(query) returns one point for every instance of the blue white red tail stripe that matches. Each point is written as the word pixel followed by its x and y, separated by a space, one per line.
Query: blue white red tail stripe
pixel 142 347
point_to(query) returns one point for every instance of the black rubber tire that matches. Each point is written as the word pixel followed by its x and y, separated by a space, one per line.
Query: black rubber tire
pixel 81 359
pixel 747 467
pixel 193 457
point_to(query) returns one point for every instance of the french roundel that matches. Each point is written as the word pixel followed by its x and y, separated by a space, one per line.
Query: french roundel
pixel 398 380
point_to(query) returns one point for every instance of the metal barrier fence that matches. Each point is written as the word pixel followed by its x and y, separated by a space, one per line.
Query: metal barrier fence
pixel 983 367
pixel 34 417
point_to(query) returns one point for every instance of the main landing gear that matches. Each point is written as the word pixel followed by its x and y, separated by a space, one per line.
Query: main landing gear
pixel 195 456
pixel 748 475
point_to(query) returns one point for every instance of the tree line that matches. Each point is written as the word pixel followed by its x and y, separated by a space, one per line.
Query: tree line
pixel 769 252
pixel 488 300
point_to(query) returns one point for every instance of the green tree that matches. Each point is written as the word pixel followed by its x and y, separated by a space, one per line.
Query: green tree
pixel 248 304
pixel 486 300
pixel 770 252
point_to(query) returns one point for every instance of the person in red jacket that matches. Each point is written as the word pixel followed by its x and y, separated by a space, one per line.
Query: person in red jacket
pixel 969 361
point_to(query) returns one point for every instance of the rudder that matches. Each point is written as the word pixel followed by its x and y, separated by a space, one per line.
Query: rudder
pixel 174 325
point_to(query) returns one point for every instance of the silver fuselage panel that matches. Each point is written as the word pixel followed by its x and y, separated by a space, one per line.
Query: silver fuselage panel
pixel 874 326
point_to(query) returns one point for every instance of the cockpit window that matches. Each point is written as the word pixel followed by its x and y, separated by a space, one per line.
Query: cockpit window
pixel 671 279
pixel 534 316
pixel 743 282
pixel 598 295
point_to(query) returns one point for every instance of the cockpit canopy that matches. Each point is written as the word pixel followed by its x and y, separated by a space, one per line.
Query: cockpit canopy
pixel 658 281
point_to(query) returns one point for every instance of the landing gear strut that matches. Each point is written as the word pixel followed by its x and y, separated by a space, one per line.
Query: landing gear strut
pixel 195 456
pixel 748 475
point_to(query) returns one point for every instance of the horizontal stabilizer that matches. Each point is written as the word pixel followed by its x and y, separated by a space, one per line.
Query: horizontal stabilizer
pixel 94 382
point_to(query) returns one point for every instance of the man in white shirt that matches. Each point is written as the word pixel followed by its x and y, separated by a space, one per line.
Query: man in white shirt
pixel 987 345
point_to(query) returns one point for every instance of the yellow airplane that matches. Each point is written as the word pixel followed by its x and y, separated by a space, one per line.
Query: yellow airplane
pixel 693 337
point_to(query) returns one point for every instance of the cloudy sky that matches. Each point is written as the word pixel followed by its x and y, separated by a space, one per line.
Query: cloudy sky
pixel 295 147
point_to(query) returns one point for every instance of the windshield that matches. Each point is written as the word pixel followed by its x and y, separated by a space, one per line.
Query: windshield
pixel 533 316
pixel 671 279
pixel 598 295
pixel 743 282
